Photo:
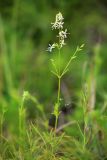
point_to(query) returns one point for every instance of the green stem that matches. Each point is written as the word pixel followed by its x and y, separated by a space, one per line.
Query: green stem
pixel 59 85
pixel 69 62
pixel 59 76
pixel 58 101
pixel 21 119
pixel 56 123
pixel 59 89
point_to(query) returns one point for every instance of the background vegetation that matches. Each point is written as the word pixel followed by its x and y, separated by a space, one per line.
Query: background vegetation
pixel 25 33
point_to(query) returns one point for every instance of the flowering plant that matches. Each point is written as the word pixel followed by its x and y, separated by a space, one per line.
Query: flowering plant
pixel 58 24
pixel 62 35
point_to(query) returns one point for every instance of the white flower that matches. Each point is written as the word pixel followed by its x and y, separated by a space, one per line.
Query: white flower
pixel 51 47
pixel 58 24
pixel 63 34
pixel 62 43
pixel 59 17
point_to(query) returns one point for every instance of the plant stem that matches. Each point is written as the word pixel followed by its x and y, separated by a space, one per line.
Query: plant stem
pixel 59 76
pixel 21 120
pixel 59 89
pixel 58 101
pixel 69 62
pixel 56 123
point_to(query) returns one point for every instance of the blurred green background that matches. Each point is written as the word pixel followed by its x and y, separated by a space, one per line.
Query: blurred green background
pixel 25 32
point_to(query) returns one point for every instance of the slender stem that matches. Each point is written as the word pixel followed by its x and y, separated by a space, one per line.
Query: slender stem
pixel 69 63
pixel 59 57
pixel 58 101
pixel 59 89
pixel 21 119
pixel 56 123
pixel 59 78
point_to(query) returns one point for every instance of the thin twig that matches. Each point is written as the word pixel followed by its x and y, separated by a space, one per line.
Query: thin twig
pixel 64 126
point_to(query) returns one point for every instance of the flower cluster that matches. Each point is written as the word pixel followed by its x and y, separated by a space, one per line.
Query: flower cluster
pixel 63 34
pixel 58 24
